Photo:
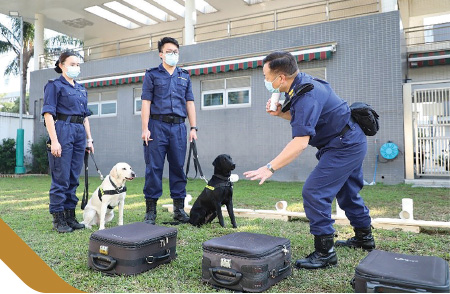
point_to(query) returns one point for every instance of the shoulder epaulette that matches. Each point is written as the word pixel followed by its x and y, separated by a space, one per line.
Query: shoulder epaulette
pixel 185 71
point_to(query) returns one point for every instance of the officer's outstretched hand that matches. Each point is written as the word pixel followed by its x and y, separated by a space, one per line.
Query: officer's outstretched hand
pixel 273 113
pixel 90 147
pixel 193 135
pixel 262 174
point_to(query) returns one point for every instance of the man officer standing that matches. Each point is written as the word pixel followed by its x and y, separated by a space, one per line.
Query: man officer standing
pixel 321 119
pixel 167 100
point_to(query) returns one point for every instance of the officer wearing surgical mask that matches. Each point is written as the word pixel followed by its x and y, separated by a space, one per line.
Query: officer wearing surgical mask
pixel 320 118
pixel 167 100
pixel 66 119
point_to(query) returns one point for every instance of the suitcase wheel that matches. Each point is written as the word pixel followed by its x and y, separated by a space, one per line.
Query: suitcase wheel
pixel 237 276
pixel 102 262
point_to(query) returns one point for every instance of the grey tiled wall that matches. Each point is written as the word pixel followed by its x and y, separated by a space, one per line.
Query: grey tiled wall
pixel 367 66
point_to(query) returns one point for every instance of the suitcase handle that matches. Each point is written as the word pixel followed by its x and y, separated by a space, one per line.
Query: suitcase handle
pixel 278 272
pixel 95 257
pixel 225 272
pixel 152 259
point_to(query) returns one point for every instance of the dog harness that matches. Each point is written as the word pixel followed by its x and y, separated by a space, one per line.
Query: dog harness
pixel 228 183
pixel 117 190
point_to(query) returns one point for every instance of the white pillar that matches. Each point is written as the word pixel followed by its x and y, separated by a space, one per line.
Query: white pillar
pixel 408 131
pixel 190 19
pixel 388 5
pixel 38 39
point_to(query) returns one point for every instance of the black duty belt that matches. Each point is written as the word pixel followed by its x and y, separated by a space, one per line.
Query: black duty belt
pixel 341 134
pixel 171 119
pixel 77 119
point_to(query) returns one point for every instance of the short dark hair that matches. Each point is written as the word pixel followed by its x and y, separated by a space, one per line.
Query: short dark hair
pixel 166 40
pixel 63 58
pixel 281 62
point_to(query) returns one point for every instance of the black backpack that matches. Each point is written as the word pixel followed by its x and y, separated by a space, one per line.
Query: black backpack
pixel 366 117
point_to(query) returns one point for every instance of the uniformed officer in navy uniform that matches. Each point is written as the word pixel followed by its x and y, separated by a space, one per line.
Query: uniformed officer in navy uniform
pixel 66 119
pixel 319 118
pixel 167 100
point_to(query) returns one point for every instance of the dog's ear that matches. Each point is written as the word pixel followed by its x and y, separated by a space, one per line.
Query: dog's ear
pixel 114 174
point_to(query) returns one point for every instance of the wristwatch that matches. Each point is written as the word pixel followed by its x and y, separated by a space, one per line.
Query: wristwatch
pixel 194 128
pixel 269 166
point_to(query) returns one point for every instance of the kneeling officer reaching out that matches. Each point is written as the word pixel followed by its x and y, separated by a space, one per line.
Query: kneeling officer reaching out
pixel 320 118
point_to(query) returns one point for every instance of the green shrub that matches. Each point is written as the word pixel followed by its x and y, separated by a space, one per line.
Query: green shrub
pixel 7 156
pixel 39 154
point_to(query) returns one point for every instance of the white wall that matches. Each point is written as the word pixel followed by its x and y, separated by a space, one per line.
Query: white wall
pixel 9 123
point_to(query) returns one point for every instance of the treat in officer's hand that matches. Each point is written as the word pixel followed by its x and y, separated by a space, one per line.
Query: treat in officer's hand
pixel 274 100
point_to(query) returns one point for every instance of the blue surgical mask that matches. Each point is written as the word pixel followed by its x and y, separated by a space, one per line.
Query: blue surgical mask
pixel 73 71
pixel 270 87
pixel 171 59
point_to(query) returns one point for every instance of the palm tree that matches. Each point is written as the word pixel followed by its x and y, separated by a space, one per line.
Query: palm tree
pixel 10 42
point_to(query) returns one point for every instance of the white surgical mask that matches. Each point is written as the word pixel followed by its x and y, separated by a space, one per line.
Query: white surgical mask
pixel 171 59
pixel 270 87
pixel 72 71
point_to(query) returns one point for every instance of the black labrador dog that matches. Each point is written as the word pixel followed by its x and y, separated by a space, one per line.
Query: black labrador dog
pixel 218 192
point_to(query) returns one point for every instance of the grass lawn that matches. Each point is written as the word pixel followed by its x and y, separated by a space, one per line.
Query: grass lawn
pixel 24 207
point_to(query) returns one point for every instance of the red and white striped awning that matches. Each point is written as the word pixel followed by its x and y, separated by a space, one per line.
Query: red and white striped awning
pixel 429 58
pixel 319 53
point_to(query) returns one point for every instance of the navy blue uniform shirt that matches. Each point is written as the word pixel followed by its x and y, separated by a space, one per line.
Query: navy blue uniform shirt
pixel 319 113
pixel 168 93
pixel 61 97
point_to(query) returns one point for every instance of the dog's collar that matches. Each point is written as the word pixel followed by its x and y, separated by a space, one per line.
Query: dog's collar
pixel 222 177
pixel 116 189
pixel 226 183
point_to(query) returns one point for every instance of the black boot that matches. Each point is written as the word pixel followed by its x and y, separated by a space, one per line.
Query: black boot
pixel 363 239
pixel 323 256
pixel 178 211
pixel 71 219
pixel 60 224
pixel 150 211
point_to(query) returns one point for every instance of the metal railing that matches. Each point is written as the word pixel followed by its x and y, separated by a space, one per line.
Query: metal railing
pixel 314 12
pixel 431 123
pixel 428 37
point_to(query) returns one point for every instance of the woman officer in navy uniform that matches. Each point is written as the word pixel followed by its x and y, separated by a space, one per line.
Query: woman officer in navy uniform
pixel 65 113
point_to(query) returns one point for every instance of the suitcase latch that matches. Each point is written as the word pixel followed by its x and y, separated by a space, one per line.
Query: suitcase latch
pixel 164 242
pixel 225 262
pixel 103 250
pixel 285 250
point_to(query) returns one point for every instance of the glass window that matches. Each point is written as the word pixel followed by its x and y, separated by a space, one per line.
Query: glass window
pixel 238 97
pixel 109 107
pixel 213 99
pixel 93 107
pixel 137 105
pixel 222 93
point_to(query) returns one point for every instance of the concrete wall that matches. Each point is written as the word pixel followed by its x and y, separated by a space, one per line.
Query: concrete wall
pixel 367 66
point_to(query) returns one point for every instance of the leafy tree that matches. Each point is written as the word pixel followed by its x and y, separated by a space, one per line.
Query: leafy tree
pixel 10 41
pixel 38 151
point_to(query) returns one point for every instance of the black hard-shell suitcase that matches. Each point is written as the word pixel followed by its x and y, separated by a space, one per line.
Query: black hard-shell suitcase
pixel 246 261
pixel 132 248
pixel 382 271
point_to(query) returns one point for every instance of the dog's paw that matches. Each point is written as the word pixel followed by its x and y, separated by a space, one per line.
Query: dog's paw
pixel 101 228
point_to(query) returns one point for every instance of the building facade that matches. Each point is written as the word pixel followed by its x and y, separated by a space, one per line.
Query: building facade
pixel 361 57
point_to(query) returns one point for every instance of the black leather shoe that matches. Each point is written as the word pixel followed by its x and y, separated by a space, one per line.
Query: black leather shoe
pixel 178 211
pixel 363 239
pixel 59 223
pixel 323 256
pixel 71 219
pixel 150 211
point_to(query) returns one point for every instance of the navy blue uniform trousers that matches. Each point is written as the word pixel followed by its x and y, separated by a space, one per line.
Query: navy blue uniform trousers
pixel 338 174
pixel 65 170
pixel 168 140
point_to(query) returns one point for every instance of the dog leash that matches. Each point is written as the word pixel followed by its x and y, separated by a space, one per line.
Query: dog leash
pixel 84 200
pixel 193 152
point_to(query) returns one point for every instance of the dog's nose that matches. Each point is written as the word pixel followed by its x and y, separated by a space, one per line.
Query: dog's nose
pixel 133 174
pixel 233 166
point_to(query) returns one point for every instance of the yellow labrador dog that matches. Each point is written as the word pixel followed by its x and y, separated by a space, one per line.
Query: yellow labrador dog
pixel 100 208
